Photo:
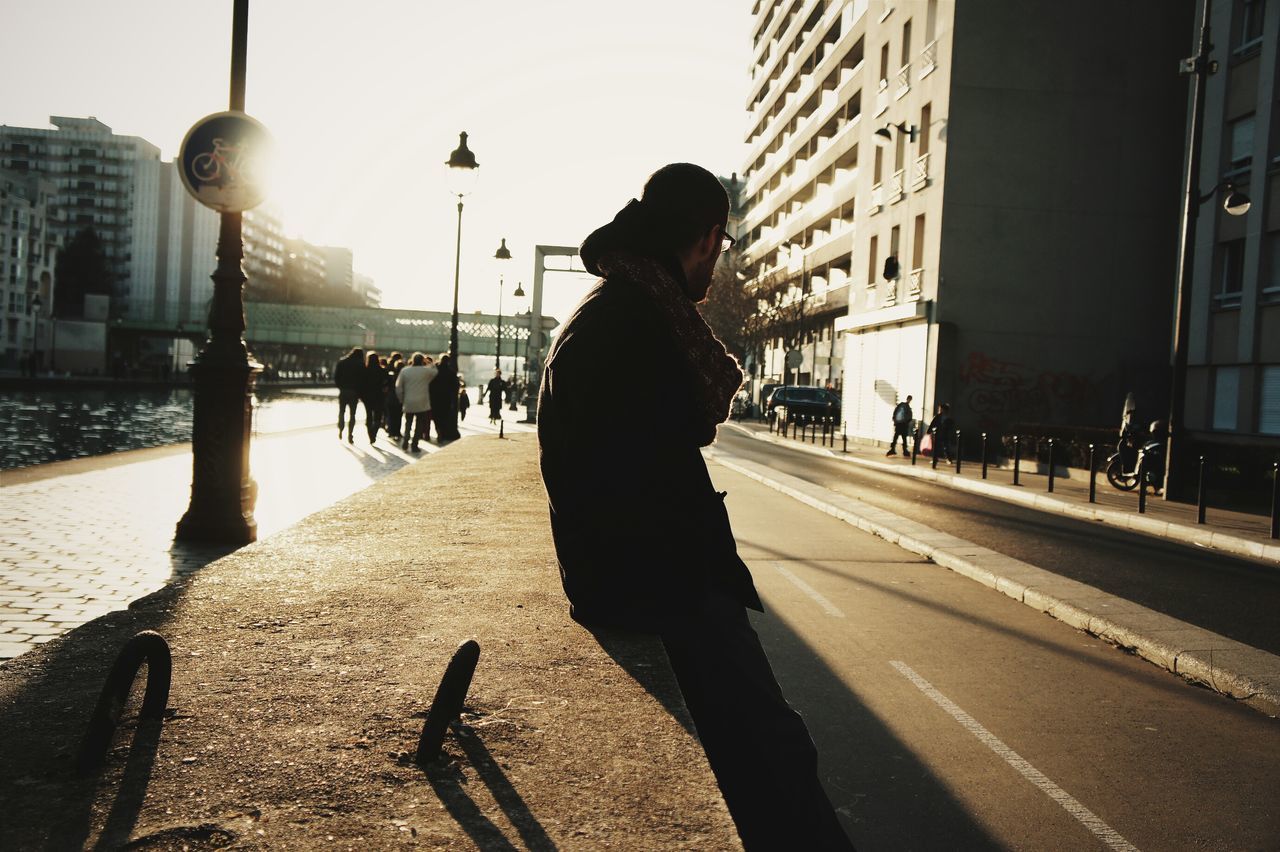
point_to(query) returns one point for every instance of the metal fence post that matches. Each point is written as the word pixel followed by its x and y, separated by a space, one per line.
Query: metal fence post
pixel 1017 458
pixel 1200 504
pixel 915 442
pixel 934 454
pixel 1093 475
pixel 844 437
pixel 1050 465
pixel 1142 483
pixel 984 455
pixel 1275 500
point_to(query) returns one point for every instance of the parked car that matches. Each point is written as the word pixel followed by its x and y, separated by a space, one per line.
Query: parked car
pixel 803 401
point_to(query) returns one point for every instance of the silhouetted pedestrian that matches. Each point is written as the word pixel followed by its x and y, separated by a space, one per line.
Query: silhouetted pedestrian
pixel 464 402
pixel 393 411
pixel 347 375
pixel 644 541
pixel 444 401
pixel 372 388
pixel 496 388
pixel 942 428
pixel 413 386
pixel 901 427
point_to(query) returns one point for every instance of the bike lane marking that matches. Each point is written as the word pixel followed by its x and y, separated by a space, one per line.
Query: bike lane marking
pixel 1069 803
pixel 827 606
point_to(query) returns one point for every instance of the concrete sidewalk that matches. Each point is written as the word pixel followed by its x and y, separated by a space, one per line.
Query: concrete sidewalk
pixel 303 665
pixel 1238 533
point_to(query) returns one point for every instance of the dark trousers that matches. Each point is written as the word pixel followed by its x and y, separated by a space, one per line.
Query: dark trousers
pixel 347 400
pixel 759 748
pixel 393 414
pixel 417 427
pixel 902 432
pixel 372 416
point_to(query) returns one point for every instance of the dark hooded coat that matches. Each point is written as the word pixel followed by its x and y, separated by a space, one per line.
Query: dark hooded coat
pixel 639 529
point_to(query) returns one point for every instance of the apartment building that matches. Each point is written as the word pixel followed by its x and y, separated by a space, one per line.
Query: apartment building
pixel 969 202
pixel 1233 374
pixel 28 251
pixel 264 254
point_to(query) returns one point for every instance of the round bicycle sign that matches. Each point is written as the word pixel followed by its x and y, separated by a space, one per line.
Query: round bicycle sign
pixel 223 161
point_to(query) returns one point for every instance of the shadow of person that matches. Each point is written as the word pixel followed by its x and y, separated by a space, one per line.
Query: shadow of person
pixel 641 655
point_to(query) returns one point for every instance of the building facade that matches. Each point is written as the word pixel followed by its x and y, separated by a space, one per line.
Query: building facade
pixel 264 254
pixel 28 254
pixel 993 228
pixel 1233 374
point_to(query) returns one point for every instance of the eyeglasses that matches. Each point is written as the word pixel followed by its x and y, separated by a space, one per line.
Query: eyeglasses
pixel 726 242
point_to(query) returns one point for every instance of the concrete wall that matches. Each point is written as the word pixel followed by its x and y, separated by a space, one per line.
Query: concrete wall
pixel 1064 146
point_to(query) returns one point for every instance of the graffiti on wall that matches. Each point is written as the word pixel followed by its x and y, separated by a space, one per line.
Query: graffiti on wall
pixel 1002 391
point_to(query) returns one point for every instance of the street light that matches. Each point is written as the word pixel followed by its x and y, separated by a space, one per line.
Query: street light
pixel 515 354
pixel 501 254
pixel 462 178
pixel 1236 203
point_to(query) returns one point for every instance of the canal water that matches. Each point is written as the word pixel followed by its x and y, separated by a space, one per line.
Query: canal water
pixel 53 425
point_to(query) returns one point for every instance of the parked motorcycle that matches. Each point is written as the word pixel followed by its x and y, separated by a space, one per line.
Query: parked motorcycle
pixel 1122 465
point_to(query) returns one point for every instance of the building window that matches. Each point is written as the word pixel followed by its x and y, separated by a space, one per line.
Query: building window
pixel 874 250
pixel 1269 402
pixel 1252 16
pixel 1241 150
pixel 926 117
pixel 1230 274
pixel 1226 398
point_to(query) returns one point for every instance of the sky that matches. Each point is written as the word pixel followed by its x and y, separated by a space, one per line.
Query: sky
pixel 569 105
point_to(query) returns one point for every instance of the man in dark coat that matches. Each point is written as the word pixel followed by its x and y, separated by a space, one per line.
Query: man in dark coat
pixel 348 375
pixel 444 401
pixel 642 537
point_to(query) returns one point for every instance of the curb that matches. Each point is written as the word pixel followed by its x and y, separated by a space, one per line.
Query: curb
pixel 1224 665
pixel 1181 533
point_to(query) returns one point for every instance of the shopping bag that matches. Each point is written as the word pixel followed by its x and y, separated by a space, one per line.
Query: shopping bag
pixel 926 444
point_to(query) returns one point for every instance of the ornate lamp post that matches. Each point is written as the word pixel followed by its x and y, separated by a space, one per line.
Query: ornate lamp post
pixel 223 493
pixel 501 254
pixel 462 177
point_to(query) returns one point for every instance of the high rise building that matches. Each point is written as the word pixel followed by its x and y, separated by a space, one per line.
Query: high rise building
pixel 946 203
pixel 367 290
pixel 28 251
pixel 339 272
pixel 159 243
pixel 264 254
pixel 1233 339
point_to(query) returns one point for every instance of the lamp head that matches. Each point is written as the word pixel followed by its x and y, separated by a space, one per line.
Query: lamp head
pixel 502 253
pixel 882 137
pixel 519 293
pixel 36 303
pixel 1236 203
pixel 462 158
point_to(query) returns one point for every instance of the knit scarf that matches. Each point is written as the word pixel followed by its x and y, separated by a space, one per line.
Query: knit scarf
pixel 714 374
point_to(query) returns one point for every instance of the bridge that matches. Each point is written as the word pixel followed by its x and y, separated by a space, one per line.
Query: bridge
pixel 271 325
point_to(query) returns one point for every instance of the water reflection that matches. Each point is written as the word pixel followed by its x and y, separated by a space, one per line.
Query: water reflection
pixel 53 425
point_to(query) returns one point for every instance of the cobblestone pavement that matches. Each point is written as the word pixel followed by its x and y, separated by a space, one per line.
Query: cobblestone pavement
pixel 77 546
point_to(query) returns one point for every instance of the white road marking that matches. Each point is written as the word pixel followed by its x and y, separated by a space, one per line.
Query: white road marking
pixel 1086 817
pixel 827 606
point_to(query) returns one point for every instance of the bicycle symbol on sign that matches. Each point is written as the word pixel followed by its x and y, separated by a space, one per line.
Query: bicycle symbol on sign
pixel 225 164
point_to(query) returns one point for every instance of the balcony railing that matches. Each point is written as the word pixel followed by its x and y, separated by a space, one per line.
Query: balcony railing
pixel 914 281
pixel 882 97
pixel 904 82
pixel 920 174
pixel 895 187
pixel 877 199
pixel 929 58
pixel 890 293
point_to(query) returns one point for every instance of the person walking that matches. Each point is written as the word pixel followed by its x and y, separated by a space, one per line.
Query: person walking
pixel 393 412
pixel 347 375
pixel 413 386
pixel 372 388
pixel 901 427
pixel 942 427
pixel 644 542
pixel 496 389
pixel 444 401
pixel 464 402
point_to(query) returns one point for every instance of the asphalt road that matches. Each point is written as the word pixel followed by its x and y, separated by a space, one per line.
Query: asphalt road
pixel 1231 596
pixel 949 716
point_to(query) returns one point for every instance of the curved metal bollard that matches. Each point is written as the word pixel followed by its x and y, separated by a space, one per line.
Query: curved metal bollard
pixel 149 647
pixel 447 705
